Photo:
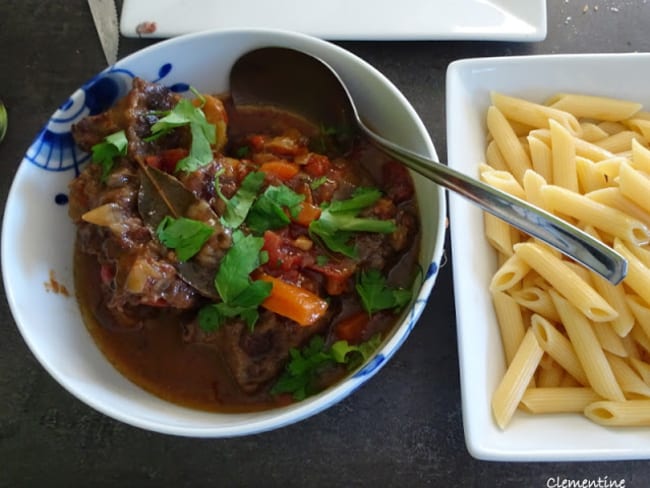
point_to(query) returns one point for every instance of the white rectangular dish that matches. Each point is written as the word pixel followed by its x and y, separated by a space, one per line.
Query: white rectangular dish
pixel 506 20
pixel 469 82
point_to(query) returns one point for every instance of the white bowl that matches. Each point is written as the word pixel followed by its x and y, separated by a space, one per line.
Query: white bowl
pixel 469 82
pixel 38 236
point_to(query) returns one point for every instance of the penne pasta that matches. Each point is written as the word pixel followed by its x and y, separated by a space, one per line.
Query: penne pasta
pixel 619 413
pixel 565 281
pixel 602 217
pixel 511 389
pixel 557 346
pixel 509 274
pixel 587 348
pixel 563 149
pixel 510 322
pixel 635 186
pixel 573 342
pixel 533 114
pixel 508 143
pixel 558 400
pixel 595 107
pixel 537 300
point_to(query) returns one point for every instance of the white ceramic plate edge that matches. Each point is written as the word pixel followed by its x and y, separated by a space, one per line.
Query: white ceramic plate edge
pixel 505 20
pixel 528 438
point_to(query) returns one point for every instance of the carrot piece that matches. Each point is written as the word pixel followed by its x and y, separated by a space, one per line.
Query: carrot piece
pixel 283 170
pixel 351 328
pixel 293 302
pixel 308 213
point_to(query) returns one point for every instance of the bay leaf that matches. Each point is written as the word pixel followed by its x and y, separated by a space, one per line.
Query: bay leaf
pixel 160 195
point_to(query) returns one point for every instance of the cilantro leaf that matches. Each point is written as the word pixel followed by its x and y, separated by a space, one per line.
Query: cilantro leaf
pixel 301 373
pixel 377 295
pixel 185 236
pixel 339 219
pixel 268 210
pixel 241 296
pixel 238 206
pixel 105 152
pixel 318 182
pixel 203 133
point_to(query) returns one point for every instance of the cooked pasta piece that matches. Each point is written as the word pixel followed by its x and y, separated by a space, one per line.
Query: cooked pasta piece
pixel 511 323
pixel 509 274
pixel 595 107
pixel 635 186
pixel 563 149
pixel 558 400
pixel 619 413
pixel 536 299
pixel 602 217
pixel 508 143
pixel 565 280
pixel 556 345
pixel 592 358
pixel 518 375
pixel 533 114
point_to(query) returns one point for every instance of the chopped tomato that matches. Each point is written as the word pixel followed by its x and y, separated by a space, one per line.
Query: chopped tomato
pixel 282 254
pixel 337 275
pixel 317 165
pixel 351 328
pixel 167 159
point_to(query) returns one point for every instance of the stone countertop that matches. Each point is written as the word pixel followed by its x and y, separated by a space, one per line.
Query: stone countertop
pixel 403 428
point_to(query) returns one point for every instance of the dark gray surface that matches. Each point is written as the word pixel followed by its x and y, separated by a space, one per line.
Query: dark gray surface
pixel 403 428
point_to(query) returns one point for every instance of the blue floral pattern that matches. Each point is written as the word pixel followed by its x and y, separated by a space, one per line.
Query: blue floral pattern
pixel 54 148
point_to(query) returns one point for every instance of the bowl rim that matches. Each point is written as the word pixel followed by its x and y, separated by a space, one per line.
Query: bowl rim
pixel 281 416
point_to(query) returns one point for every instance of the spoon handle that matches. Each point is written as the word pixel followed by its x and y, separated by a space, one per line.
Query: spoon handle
pixel 532 220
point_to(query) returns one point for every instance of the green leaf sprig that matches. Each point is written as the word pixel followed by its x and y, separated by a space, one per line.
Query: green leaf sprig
pixel 203 133
pixel 240 294
pixel 268 210
pixel 238 206
pixel 376 295
pixel 185 236
pixel 339 219
pixel 105 152
pixel 301 373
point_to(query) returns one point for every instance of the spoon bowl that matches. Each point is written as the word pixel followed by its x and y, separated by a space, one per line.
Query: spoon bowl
pixel 296 81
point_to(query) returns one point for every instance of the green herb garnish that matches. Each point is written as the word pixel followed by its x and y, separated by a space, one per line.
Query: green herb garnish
pixel 268 211
pixel 185 236
pixel 301 373
pixel 203 133
pixel 105 152
pixel 318 182
pixel 240 294
pixel 339 219
pixel 377 295
pixel 238 206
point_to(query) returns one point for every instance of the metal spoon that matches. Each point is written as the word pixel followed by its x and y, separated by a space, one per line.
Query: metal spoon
pixel 296 81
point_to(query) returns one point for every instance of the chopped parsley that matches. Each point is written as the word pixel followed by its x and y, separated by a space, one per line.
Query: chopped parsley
pixel 105 152
pixel 185 236
pixel 240 295
pixel 301 373
pixel 339 219
pixel 377 295
pixel 203 133
pixel 238 206
pixel 268 211
pixel 318 182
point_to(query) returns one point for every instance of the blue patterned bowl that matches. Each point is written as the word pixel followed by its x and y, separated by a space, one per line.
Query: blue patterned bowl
pixel 37 259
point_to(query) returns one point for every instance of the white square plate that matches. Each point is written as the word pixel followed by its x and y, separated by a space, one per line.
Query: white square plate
pixel 505 20
pixel 469 82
